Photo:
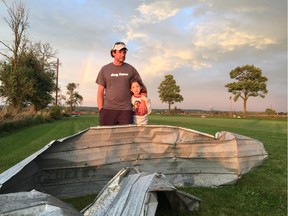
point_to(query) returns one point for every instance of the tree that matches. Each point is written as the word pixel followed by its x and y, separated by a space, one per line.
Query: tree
pixel 28 84
pixel 169 92
pixel 11 82
pixel 250 83
pixel 41 82
pixel 74 97
pixel 45 53
pixel 270 111
pixel 26 75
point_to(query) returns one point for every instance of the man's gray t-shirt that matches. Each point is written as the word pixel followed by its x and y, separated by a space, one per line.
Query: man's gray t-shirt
pixel 116 81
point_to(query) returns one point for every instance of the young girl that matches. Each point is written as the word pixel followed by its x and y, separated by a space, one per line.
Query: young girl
pixel 136 100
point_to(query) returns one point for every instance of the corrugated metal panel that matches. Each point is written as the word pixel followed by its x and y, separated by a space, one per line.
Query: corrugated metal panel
pixel 34 203
pixel 14 170
pixel 136 194
pixel 83 163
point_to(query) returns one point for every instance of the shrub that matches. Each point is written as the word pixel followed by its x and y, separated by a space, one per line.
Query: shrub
pixel 27 118
pixel 55 112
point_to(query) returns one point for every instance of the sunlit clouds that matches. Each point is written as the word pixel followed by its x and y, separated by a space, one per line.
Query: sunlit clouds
pixel 157 11
pixel 197 41
pixel 228 38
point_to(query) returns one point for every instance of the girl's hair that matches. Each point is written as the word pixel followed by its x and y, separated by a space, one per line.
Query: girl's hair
pixel 136 80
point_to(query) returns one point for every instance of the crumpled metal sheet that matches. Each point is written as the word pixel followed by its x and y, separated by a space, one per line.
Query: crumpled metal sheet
pixel 136 194
pixel 14 170
pixel 83 163
pixel 34 203
pixel 128 193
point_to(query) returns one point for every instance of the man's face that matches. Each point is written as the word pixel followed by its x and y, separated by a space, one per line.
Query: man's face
pixel 120 55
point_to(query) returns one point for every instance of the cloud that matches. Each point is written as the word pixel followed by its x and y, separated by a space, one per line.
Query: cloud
pixel 198 42
pixel 227 38
pixel 157 11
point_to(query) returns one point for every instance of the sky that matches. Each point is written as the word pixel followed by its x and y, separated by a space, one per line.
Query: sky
pixel 197 41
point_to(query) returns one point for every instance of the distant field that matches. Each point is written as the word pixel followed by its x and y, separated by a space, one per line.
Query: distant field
pixel 262 191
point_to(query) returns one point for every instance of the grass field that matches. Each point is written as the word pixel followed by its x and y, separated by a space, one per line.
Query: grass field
pixel 262 191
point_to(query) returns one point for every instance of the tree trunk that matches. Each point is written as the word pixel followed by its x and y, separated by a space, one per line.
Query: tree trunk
pixel 244 106
pixel 71 104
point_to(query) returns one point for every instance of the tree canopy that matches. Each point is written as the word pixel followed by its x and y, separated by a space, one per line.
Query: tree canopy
pixel 249 83
pixel 169 92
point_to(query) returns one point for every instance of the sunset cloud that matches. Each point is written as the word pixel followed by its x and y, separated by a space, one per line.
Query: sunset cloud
pixel 198 42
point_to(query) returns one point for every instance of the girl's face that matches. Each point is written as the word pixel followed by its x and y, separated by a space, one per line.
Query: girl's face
pixel 135 88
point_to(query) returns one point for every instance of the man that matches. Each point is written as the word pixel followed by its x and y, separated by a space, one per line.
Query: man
pixel 114 95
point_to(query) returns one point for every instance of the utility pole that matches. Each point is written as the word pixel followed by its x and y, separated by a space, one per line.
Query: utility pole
pixel 57 71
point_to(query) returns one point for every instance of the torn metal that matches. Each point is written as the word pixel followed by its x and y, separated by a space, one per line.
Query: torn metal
pixel 129 192
pixel 73 165
pixel 34 203
pixel 83 163
pixel 138 194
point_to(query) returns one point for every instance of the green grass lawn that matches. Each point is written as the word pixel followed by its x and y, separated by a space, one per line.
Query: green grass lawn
pixel 262 191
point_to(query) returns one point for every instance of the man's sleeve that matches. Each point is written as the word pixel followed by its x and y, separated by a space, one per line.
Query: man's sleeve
pixel 100 78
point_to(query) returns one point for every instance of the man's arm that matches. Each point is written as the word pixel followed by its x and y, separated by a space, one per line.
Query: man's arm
pixel 100 96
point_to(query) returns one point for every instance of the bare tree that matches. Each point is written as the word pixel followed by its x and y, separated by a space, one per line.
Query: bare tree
pixel 45 52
